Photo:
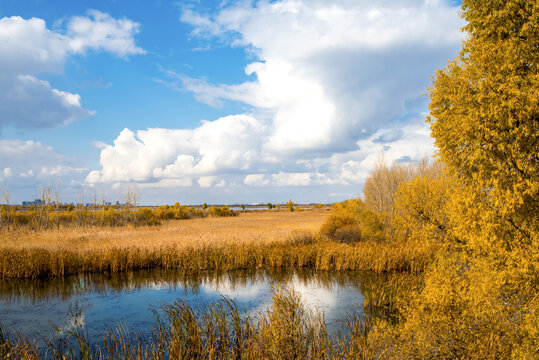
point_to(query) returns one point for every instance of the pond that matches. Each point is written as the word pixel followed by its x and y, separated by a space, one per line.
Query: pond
pixel 33 307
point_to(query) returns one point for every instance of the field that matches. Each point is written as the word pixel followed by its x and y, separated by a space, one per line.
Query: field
pixel 261 226
pixel 251 240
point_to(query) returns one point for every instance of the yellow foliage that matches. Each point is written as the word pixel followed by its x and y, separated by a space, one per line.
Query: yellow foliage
pixel 421 209
pixel 480 299
pixel 351 221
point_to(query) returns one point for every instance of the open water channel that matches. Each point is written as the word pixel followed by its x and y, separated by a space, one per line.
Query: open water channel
pixel 32 307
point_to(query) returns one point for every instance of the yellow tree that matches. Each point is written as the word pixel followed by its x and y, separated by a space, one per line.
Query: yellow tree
pixel 485 111
pixel 480 298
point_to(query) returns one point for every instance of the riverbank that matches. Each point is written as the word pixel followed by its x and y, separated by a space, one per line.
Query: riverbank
pixel 251 240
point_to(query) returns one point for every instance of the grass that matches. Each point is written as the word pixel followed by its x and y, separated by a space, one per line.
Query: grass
pixel 251 240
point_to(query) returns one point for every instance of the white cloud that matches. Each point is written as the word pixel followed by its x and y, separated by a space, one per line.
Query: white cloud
pixel 211 181
pixel 206 181
pixel 291 179
pixel 256 180
pixel 332 84
pixel 166 184
pixel 331 72
pixel 28 48
pixel 33 161
pixel 8 172
pixel 100 31
pixel 28 102
pixel 229 143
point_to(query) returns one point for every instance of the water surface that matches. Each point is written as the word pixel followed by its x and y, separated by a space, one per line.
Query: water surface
pixel 32 307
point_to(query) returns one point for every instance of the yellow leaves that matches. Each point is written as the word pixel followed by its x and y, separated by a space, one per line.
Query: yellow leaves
pixel 421 208
pixel 484 116
pixel 489 135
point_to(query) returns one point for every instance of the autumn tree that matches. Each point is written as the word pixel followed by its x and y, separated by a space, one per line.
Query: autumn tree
pixel 485 111
pixel 290 205
pixel 480 297
pixel 422 208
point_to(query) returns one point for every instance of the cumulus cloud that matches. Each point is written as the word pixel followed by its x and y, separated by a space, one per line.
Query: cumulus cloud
pixel 229 144
pixel 30 103
pixel 30 159
pixel 28 48
pixel 331 84
pixel 256 180
pixel 332 72
pixel 291 179
pixel 100 31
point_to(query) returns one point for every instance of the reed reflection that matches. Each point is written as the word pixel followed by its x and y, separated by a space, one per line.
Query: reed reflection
pixel 378 289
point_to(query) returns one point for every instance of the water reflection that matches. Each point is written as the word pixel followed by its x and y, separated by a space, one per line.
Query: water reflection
pixel 31 306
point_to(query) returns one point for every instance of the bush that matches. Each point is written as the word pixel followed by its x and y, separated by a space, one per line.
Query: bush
pixel 146 216
pixel 290 205
pixel 348 234
pixel 221 211
pixel 351 221
pixel 373 224
pixel 342 214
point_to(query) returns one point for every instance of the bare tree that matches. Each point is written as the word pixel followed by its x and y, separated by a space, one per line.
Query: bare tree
pixel 103 208
pixel 57 207
pixel 5 197
pixel 131 199
pixel 381 186
pixel 81 205
pixel 44 206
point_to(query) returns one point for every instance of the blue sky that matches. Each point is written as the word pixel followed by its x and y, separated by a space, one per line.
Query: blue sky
pixel 215 101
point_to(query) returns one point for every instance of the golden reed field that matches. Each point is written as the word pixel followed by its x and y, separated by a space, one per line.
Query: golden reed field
pixel 259 226
pixel 250 240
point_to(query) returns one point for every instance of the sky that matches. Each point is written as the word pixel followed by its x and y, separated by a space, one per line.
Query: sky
pixel 223 102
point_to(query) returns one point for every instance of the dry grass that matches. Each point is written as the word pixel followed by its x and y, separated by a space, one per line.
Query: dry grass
pixel 252 240
pixel 262 227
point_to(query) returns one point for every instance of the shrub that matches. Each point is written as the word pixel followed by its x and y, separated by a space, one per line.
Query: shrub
pixel 290 205
pixel 146 216
pixel 220 211
pixel 342 214
pixel 348 234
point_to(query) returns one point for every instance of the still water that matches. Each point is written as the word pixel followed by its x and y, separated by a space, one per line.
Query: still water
pixel 33 307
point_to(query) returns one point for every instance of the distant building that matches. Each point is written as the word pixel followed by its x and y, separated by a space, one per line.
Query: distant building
pixel 35 202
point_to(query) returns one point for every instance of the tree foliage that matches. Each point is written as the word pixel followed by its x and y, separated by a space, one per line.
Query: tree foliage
pixel 485 109
pixel 480 298
pixel 421 207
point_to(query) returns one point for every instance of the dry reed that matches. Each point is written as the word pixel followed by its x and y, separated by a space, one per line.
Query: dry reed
pixel 249 241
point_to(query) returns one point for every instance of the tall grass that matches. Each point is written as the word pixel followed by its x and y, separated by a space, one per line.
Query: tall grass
pixel 322 255
pixel 225 244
